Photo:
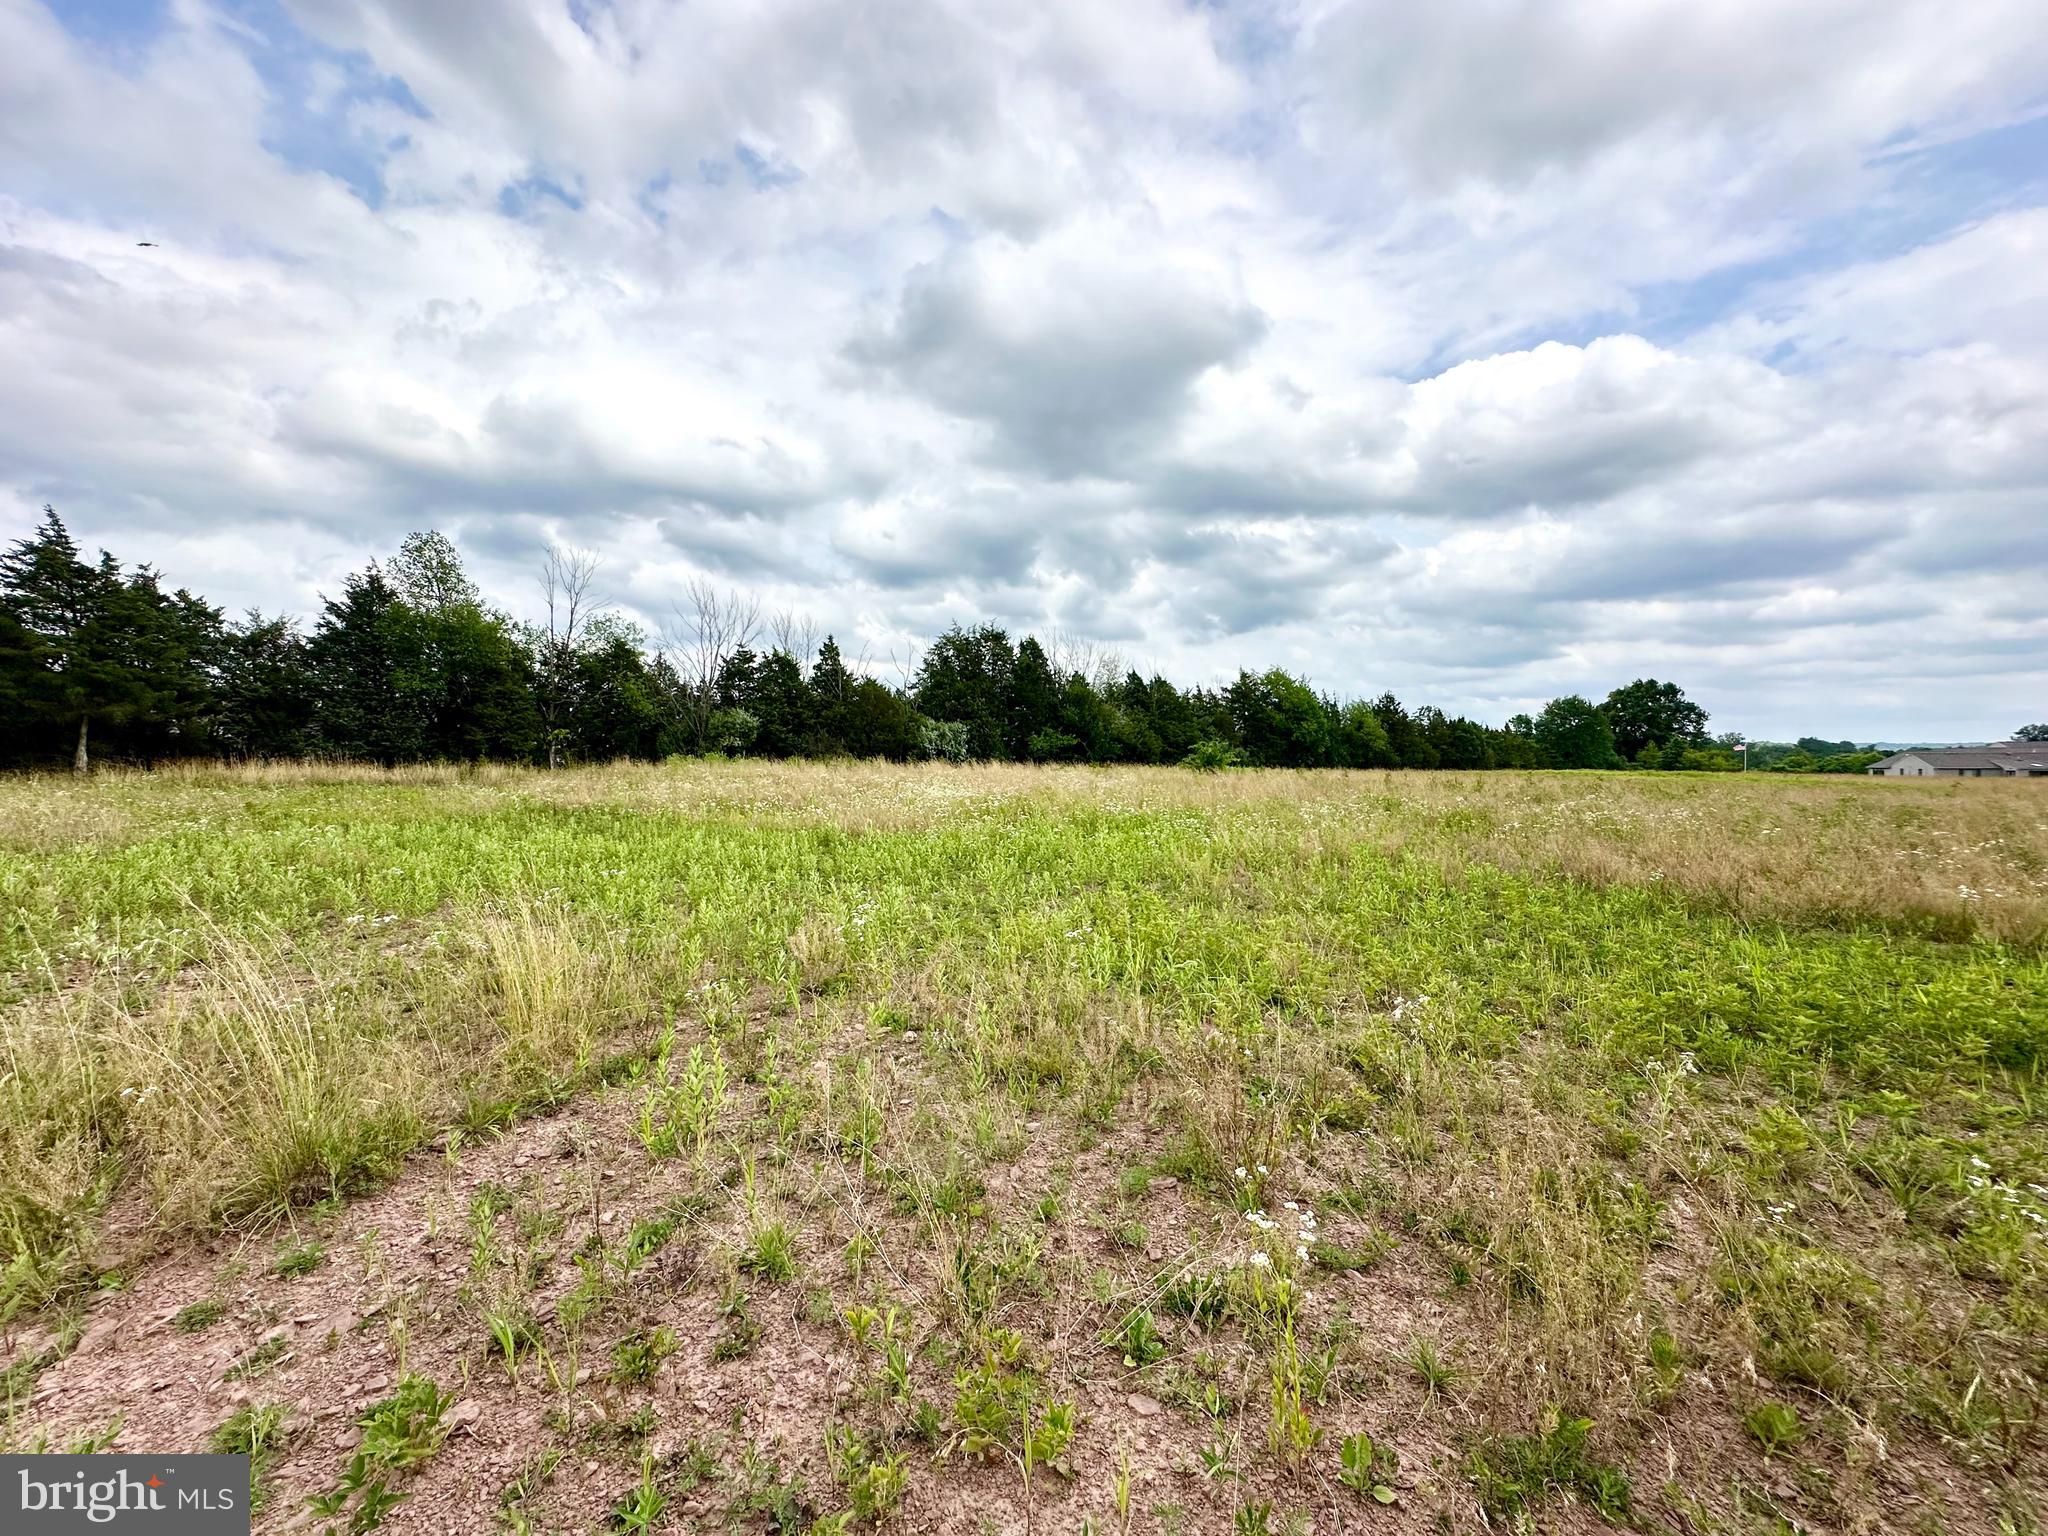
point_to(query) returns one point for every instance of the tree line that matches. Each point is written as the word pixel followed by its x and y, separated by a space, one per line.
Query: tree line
pixel 408 664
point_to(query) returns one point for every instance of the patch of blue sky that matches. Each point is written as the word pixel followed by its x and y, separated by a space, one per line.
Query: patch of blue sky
pixel 313 93
pixel 528 198
pixel 766 170
pixel 120 29
pixel 1932 190
pixel 1248 35
pixel 653 197
pixel 315 120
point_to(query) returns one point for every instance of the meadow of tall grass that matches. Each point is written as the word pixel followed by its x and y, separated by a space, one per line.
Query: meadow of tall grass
pixel 1662 1148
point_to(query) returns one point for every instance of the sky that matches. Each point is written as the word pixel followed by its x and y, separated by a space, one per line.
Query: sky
pixel 1483 351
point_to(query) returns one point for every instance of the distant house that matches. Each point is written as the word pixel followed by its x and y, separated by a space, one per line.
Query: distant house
pixel 2003 760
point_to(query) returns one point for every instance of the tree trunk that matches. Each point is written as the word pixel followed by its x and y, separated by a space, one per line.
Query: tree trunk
pixel 78 761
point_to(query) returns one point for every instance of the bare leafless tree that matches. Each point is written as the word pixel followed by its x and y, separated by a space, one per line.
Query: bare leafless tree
pixel 1109 669
pixel 709 626
pixel 1070 654
pixel 566 577
pixel 795 634
pixel 908 664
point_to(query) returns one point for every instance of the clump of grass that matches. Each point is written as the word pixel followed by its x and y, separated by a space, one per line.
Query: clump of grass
pixel 1774 1426
pixel 651 1234
pixel 199 1316
pixel 643 1503
pixel 1341 1258
pixel 300 1259
pixel 1514 1474
pixel 872 1479
pixel 1436 1374
pixel 739 1332
pixel 636 1357
pixel 770 1253
pixel 680 1105
pixel 399 1433
pixel 407 1427
pixel 1139 1340
pixel 257 1431
pixel 260 1360
pixel 533 1475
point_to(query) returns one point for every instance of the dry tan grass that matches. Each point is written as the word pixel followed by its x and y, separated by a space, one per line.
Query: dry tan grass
pixel 1952 857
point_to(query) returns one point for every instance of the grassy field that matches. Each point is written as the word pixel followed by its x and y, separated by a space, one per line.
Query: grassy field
pixel 785 1147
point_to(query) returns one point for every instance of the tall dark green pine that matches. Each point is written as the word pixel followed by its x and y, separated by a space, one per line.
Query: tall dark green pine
pixel 364 643
pixel 71 659
pixel 736 678
pixel 468 677
pixel 1086 721
pixel 832 693
pixel 266 690
pixel 1410 747
pixel 175 646
pixel 1134 736
pixel 1279 722
pixel 782 702
pixel 878 722
pixel 617 707
pixel 1034 700
pixel 965 677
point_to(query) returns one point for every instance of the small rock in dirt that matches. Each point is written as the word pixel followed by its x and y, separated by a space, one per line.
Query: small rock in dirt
pixel 101 1334
pixel 1144 1407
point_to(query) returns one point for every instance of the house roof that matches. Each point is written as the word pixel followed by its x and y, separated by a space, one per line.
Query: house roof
pixel 2004 759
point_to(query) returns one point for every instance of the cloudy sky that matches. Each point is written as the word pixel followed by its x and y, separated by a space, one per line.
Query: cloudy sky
pixel 1481 350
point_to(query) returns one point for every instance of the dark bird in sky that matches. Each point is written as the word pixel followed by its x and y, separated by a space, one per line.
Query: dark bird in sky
pixel 146 242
